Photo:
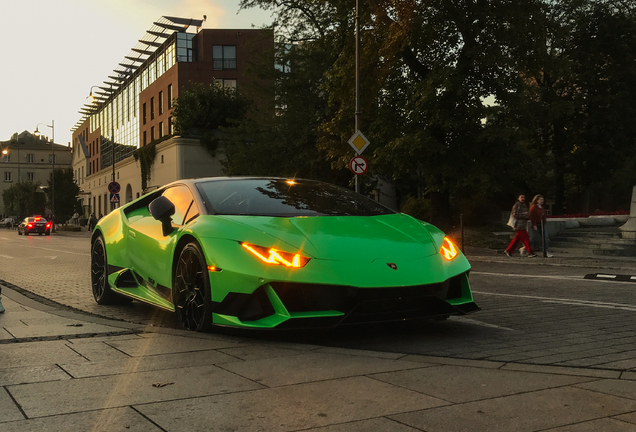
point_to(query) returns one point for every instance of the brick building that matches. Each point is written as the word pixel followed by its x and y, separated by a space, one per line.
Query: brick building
pixel 134 106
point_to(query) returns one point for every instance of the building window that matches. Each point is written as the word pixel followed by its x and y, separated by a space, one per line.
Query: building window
pixel 152 108
pixel 160 129
pixel 52 159
pixel 30 157
pixel 30 176
pixel 169 95
pixel 7 158
pixel 160 102
pixel 152 134
pixel 224 57
pixel 7 176
pixel 145 140
pixel 161 158
pixel 143 113
pixel 170 125
pixel 230 83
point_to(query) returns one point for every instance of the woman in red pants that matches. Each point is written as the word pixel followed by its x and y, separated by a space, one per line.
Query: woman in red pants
pixel 520 213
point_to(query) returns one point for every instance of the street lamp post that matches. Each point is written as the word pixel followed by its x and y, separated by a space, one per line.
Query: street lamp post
pixel 37 133
pixel 358 119
pixel 90 94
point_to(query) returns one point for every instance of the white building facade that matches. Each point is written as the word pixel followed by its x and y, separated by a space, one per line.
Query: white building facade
pixel 26 157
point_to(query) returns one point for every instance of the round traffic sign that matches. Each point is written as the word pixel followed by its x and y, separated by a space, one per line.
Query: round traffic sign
pixel 358 165
pixel 114 187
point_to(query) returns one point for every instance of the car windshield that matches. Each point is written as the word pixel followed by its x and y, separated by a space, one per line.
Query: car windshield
pixel 285 198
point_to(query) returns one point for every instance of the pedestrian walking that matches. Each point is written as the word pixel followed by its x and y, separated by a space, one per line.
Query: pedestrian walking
pixel 92 221
pixel 537 220
pixel 520 213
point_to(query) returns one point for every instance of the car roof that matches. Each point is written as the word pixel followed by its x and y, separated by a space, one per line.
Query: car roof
pixel 192 182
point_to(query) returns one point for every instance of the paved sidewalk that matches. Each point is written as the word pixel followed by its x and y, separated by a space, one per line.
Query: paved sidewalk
pixel 61 370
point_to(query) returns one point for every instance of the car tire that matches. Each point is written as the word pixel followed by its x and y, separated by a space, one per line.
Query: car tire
pixel 102 293
pixel 48 233
pixel 19 233
pixel 191 295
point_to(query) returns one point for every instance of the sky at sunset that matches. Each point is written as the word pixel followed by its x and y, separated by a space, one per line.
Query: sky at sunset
pixel 53 51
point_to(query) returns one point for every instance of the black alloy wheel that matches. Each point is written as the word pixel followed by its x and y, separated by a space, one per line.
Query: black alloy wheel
pixel 99 274
pixel 191 294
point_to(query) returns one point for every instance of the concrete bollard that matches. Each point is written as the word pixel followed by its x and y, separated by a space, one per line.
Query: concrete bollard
pixel 628 231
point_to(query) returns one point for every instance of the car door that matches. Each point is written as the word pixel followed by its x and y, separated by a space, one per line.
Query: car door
pixel 150 251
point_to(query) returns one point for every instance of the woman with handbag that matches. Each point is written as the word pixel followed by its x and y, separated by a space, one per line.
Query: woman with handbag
pixel 521 216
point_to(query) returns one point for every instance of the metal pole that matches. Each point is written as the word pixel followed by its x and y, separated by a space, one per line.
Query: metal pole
pixel 53 162
pixel 545 253
pixel 112 204
pixel 357 125
pixel 53 175
pixel 461 226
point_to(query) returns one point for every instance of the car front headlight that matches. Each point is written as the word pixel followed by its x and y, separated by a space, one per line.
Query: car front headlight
pixel 448 249
pixel 276 257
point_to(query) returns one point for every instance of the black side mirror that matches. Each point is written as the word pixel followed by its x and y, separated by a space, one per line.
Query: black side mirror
pixel 162 209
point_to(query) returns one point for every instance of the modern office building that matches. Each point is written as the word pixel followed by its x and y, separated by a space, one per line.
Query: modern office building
pixel 133 107
pixel 26 157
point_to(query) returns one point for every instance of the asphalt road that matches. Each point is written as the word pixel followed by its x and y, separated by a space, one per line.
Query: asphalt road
pixel 533 311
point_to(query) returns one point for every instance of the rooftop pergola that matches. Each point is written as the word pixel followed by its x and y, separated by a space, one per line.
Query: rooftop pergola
pixel 146 46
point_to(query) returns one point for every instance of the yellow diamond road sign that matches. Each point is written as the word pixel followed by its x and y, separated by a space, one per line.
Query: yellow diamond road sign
pixel 359 142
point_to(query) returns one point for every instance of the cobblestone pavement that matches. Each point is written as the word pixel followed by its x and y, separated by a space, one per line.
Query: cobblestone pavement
pixel 536 311
pixel 58 268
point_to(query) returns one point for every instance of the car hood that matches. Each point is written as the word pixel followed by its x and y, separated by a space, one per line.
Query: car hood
pixel 341 238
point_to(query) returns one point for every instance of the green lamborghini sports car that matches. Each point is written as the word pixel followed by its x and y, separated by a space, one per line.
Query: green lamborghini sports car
pixel 275 253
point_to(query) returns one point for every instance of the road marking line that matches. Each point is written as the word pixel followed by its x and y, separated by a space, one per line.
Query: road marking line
pixel 6 256
pixel 577 303
pixel 61 251
pixel 520 275
pixel 479 323
pixel 517 275
pixel 565 301
pixel 606 276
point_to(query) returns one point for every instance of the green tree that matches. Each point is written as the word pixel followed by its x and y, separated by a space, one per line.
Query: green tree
pixel 24 199
pixel 66 191
pixel 291 126
pixel 425 70
pixel 605 71
pixel 579 93
pixel 204 110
